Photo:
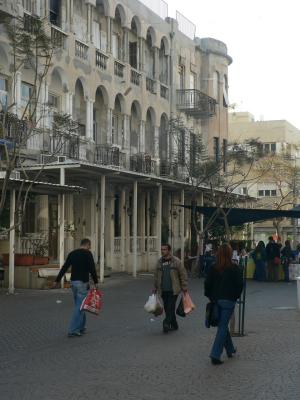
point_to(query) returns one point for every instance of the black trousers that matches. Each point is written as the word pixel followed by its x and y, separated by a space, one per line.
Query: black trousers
pixel 169 300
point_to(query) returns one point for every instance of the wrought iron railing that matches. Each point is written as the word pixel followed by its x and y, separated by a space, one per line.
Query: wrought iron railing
pixel 109 155
pixel 195 103
pixel 142 163
pixel 168 169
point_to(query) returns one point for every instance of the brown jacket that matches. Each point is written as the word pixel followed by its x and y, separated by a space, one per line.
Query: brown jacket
pixel 178 276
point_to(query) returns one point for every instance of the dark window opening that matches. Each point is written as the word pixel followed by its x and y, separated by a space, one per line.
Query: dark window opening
pixel 54 12
pixel 133 54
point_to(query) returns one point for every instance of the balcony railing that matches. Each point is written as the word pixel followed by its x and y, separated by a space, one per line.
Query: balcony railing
pixel 195 103
pixel 119 69
pixel 135 77
pixel 150 85
pixel 81 50
pixel 142 163
pixel 65 145
pixel 101 60
pixel 164 91
pixel 169 170
pixel 109 155
pixel 58 37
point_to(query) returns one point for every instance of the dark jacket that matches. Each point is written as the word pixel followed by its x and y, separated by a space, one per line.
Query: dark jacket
pixel 82 263
pixel 178 276
pixel 227 285
pixel 272 251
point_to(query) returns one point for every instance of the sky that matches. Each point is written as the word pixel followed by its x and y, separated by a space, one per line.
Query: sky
pixel 262 37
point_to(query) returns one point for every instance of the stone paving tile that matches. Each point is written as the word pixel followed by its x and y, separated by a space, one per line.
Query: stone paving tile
pixel 125 356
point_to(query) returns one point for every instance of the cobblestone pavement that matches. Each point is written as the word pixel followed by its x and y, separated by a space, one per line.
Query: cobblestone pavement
pixel 124 354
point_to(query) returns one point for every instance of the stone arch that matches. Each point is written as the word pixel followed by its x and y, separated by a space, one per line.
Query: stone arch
pixel 79 106
pixel 136 25
pixel 150 131
pixel 120 14
pixel 135 122
pixel 100 110
pixel 151 34
pixel 103 5
pixel 164 137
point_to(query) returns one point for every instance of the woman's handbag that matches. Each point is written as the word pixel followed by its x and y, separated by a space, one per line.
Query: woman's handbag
pixel 92 302
pixel 211 314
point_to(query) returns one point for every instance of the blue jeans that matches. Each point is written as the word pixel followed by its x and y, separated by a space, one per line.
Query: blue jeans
pixel 223 338
pixel 80 290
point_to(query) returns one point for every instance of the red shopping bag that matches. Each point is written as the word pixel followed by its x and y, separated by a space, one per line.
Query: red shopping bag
pixel 92 303
pixel 188 305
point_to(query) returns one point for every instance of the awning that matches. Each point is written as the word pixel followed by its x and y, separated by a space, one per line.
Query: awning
pixel 240 216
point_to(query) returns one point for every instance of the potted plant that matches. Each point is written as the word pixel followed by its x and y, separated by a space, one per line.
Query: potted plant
pixel 40 251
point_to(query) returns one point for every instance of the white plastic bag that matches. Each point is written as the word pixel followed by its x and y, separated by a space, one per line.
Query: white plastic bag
pixel 150 306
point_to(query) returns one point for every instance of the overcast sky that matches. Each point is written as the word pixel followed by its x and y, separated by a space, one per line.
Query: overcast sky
pixel 263 38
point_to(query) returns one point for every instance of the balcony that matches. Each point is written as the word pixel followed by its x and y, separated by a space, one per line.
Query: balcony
pixel 142 163
pixel 109 155
pixel 81 50
pixel 150 85
pixel 101 60
pixel 135 77
pixel 58 37
pixel 62 144
pixel 164 91
pixel 119 69
pixel 168 170
pixel 195 103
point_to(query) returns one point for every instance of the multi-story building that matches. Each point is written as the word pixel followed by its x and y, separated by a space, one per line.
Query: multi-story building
pixel 278 185
pixel 122 71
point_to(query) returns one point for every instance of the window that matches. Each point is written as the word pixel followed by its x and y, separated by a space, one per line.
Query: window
pixel 267 193
pixel 269 147
pixel 181 73
pixel 26 98
pixel 53 101
pixel 216 149
pixel 244 190
pixel 181 147
pixel 3 93
pixel 54 12
pixel 133 54
pixel 225 154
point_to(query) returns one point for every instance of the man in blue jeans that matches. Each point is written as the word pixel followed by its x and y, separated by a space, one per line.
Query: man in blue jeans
pixel 82 265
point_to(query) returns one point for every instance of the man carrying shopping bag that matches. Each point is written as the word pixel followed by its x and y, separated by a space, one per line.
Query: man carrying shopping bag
pixel 170 278
pixel 82 265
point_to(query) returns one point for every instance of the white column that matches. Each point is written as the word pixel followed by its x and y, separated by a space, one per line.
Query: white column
pixel 109 126
pixel 123 228
pixel 142 203
pixel 89 119
pixel 182 228
pixel 201 241
pixel 89 22
pixel 140 54
pixel 127 132
pixel 156 142
pixel 102 225
pixel 71 21
pixel 135 206
pixel 42 214
pixel 96 218
pixel 69 242
pixel 159 217
pixel 61 222
pixel 148 230
pixel 109 34
pixel 142 137
pixel 17 93
pixel 11 270
pixel 156 63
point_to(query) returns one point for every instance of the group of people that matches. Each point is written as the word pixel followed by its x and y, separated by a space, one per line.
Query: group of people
pixel 270 259
pixel 223 286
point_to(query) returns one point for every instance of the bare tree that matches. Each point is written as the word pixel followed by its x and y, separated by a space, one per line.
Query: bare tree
pixel 32 48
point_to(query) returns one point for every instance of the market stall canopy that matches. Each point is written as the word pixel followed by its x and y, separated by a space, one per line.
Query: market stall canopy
pixel 240 216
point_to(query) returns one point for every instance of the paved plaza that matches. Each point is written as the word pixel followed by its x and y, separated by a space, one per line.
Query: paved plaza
pixel 124 354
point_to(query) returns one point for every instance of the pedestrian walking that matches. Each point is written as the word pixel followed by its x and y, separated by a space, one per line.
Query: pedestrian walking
pixel 170 278
pixel 273 259
pixel 82 265
pixel 259 256
pixel 223 285
pixel 286 257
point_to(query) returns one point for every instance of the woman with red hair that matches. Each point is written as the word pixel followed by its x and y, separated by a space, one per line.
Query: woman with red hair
pixel 223 285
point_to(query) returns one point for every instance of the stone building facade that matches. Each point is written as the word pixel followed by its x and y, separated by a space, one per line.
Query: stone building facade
pixel 122 72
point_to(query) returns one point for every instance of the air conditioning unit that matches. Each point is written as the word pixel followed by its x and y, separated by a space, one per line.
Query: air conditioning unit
pixel 61 159
pixel 13 175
